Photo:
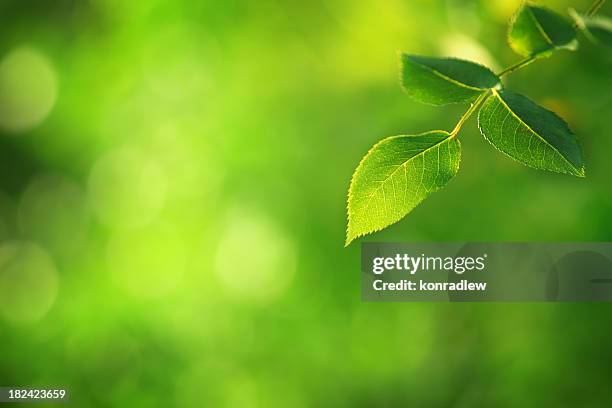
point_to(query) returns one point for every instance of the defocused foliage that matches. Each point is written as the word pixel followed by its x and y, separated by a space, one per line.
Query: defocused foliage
pixel 172 207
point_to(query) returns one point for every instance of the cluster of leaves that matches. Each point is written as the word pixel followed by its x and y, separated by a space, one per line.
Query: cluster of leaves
pixel 401 171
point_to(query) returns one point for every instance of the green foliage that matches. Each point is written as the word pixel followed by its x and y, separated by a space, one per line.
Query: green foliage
pixel 396 175
pixel 441 81
pixel 598 28
pixel 537 31
pixel 401 171
pixel 530 134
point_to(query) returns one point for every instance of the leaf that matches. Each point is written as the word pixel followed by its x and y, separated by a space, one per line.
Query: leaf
pixel 597 28
pixel 440 81
pixel 537 31
pixel 395 176
pixel 530 134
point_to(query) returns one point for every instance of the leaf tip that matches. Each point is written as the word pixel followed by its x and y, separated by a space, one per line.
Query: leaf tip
pixel 349 237
pixel 352 235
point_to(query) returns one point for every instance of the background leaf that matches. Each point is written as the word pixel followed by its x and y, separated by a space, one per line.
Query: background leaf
pixel 530 134
pixel 597 28
pixel 537 31
pixel 395 176
pixel 441 81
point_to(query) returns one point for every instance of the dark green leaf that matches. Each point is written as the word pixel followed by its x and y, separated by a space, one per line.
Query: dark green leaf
pixel 537 31
pixel 440 81
pixel 530 134
pixel 395 176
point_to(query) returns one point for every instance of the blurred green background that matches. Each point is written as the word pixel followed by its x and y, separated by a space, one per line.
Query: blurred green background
pixel 173 178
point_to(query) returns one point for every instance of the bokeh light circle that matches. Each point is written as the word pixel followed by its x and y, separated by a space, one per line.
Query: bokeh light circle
pixel 148 262
pixel 28 89
pixel 462 46
pixel 256 260
pixel 28 282
pixel 127 188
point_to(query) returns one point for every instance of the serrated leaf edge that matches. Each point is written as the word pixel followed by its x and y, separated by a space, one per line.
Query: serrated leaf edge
pixel 580 172
pixel 350 190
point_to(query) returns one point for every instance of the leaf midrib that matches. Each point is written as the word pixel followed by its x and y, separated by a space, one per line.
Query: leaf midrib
pixel 449 79
pixel 546 36
pixel 541 28
pixel 579 171
pixel 382 182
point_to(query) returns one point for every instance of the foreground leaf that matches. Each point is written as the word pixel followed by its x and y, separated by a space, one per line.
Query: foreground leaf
pixel 440 81
pixel 537 31
pixel 395 176
pixel 597 28
pixel 530 134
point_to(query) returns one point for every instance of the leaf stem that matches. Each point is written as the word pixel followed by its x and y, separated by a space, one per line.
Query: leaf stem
pixel 521 64
pixel 475 105
pixel 595 7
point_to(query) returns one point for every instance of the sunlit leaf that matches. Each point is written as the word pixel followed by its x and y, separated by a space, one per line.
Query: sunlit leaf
pixel 441 81
pixel 537 31
pixel 395 176
pixel 530 134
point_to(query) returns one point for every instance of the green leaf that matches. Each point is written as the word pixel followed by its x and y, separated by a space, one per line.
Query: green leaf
pixel 537 31
pixel 597 28
pixel 530 134
pixel 440 81
pixel 395 176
